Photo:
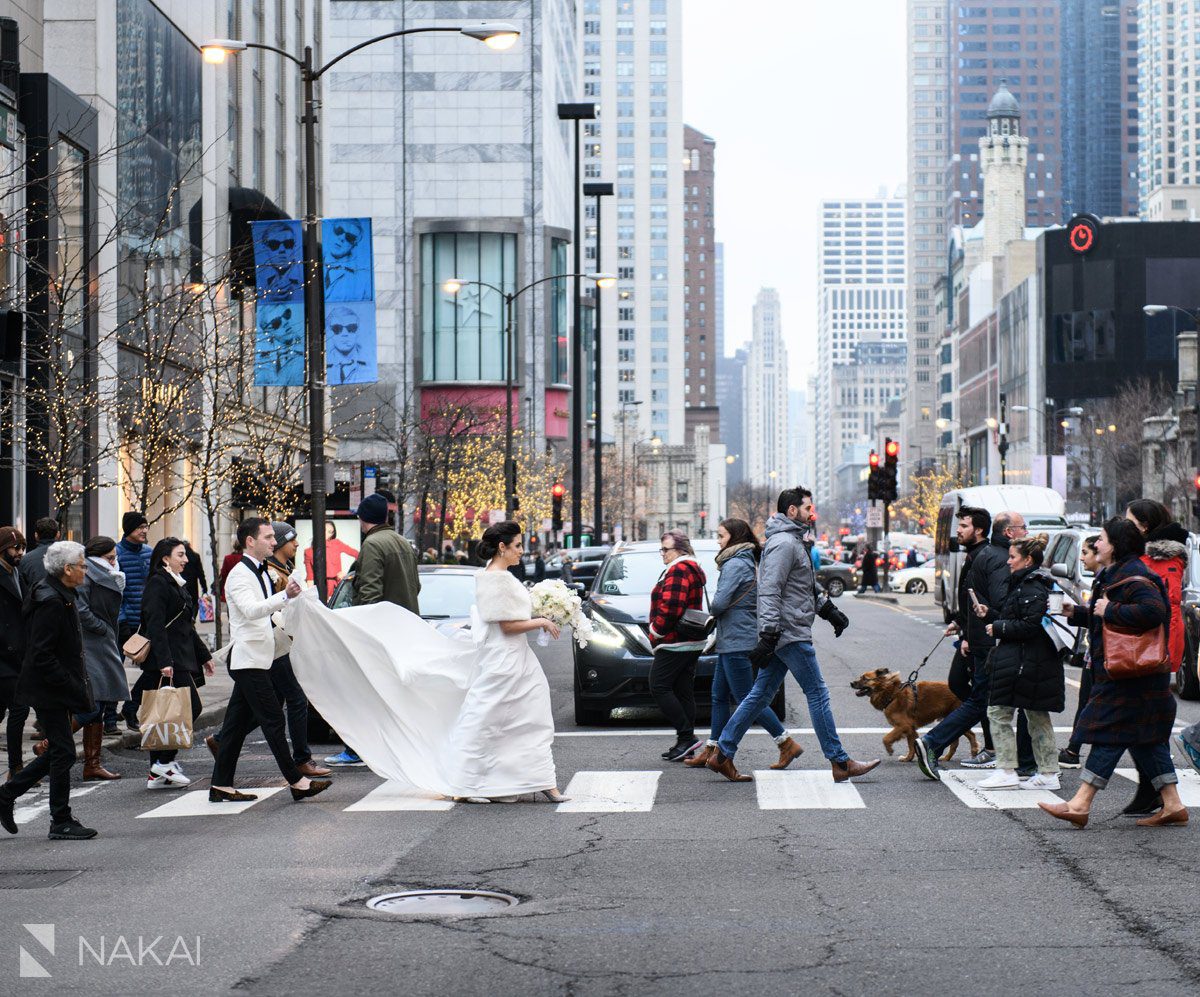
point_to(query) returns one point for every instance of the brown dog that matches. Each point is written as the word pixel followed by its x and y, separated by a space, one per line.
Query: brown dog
pixel 906 713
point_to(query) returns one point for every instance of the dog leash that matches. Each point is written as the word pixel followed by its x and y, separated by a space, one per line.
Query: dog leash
pixel 912 678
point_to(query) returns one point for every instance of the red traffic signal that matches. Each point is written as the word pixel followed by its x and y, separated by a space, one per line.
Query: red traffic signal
pixel 892 449
pixel 704 514
pixel 873 459
pixel 558 490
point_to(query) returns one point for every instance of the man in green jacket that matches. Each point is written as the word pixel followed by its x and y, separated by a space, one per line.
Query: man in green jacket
pixel 386 570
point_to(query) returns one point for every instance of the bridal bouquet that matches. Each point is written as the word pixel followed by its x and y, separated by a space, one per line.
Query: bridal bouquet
pixel 559 604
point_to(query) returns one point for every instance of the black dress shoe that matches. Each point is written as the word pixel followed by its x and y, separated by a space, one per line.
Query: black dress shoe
pixel 224 796
pixel 315 786
pixel 6 816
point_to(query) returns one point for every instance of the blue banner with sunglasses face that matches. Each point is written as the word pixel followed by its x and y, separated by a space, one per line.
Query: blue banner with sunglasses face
pixel 347 267
pixel 279 293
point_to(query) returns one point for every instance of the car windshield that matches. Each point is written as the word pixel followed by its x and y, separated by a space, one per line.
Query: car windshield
pixel 637 572
pixel 446 594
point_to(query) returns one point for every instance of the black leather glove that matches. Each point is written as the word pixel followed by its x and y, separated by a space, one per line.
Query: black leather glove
pixel 836 618
pixel 764 650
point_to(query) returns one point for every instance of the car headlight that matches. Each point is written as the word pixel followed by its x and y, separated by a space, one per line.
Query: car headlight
pixel 605 633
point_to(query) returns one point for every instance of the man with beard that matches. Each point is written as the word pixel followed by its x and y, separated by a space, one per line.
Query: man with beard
pixel 788 601
pixel 12 642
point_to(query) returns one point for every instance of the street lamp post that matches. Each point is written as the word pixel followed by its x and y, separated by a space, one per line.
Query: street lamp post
pixel 456 284
pixel 654 442
pixel 498 36
pixel 597 190
pixel 577 113
pixel 625 407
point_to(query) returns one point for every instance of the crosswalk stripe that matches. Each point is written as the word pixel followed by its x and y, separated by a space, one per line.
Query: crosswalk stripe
pixel 394 796
pixel 36 808
pixel 963 783
pixel 195 804
pixel 1189 784
pixel 805 790
pixel 610 792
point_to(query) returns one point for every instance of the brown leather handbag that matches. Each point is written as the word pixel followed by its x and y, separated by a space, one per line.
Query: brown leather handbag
pixel 1130 655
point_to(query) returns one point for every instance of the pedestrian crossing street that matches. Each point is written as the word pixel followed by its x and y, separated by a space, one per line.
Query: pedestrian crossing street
pixel 637 792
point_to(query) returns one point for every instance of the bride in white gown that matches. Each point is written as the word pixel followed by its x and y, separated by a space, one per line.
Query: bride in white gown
pixel 470 721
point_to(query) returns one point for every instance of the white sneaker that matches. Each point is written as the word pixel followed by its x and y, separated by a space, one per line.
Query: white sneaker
pixel 1041 781
pixel 166 775
pixel 1000 779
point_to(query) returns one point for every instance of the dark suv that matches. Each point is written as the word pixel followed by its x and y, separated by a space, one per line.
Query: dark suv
pixel 614 669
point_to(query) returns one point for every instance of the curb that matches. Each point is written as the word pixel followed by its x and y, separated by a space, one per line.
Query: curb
pixel 872 597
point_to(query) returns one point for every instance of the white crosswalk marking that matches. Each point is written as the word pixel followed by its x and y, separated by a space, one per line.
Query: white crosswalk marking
pixel 610 792
pixel 804 789
pixel 963 783
pixel 195 804
pixel 394 796
pixel 37 802
pixel 1189 784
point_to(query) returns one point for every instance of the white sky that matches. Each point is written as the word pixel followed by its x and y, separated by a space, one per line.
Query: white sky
pixel 806 101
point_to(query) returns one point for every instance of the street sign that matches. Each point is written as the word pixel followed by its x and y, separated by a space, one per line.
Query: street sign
pixel 875 517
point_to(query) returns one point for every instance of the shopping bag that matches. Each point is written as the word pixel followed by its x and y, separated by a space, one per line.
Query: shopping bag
pixel 165 717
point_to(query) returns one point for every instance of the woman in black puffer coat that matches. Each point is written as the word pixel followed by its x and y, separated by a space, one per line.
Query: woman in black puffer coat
pixel 1026 671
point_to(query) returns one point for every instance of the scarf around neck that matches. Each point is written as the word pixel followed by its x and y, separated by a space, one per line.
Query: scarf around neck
pixel 732 551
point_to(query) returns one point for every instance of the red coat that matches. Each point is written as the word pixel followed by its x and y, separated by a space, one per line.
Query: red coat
pixel 226 567
pixel 334 549
pixel 1166 556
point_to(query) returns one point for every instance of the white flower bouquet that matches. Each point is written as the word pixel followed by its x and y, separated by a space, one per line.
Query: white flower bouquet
pixel 553 601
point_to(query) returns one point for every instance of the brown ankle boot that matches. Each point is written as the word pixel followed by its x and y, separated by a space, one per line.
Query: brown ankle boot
pixel 93 734
pixel 723 765
pixel 700 758
pixel 789 751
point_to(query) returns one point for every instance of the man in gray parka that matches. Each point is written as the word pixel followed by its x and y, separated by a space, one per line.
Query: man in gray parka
pixel 788 600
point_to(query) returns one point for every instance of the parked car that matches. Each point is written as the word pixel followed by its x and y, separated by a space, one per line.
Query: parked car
pixel 614 669
pixel 835 575
pixel 914 581
pixel 1186 682
pixel 585 562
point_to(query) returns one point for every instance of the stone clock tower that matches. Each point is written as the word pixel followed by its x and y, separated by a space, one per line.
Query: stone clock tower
pixel 1003 158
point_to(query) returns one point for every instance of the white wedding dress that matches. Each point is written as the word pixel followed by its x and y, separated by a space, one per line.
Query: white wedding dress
pixel 440 715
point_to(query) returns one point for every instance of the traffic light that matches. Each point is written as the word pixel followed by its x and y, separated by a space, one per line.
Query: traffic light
pixel 891 458
pixel 873 483
pixel 557 491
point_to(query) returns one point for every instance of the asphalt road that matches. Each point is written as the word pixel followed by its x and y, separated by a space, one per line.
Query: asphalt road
pixel 897 886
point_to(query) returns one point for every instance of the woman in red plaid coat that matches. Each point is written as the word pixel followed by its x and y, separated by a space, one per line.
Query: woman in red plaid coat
pixel 673 673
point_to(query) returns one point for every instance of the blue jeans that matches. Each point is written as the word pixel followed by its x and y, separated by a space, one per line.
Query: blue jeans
pixel 1152 760
pixel 801 660
pixel 734 676
pixel 99 713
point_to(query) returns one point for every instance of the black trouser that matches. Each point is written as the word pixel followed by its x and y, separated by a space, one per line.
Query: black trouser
pixel 672 684
pixel 17 715
pixel 254 703
pixel 288 689
pixel 57 760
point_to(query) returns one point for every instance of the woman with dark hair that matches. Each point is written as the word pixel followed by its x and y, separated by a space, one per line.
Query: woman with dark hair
pixel 177 654
pixel 98 600
pixel 1131 714
pixel 1026 672
pixel 1166 556
pixel 1068 758
pixel 470 721
pixel 735 607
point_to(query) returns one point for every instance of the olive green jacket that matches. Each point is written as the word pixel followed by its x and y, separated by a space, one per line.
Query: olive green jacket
pixel 386 570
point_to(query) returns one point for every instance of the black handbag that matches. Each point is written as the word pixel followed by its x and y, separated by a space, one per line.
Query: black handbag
pixel 696 624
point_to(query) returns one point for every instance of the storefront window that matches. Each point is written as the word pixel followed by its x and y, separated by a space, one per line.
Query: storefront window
pixel 462 335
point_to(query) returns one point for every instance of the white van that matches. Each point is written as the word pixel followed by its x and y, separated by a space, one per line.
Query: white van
pixel 1044 510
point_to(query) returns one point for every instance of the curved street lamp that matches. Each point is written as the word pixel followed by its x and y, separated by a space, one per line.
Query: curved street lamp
pixel 455 284
pixel 498 36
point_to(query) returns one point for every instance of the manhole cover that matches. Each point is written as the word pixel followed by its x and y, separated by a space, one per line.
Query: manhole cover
pixel 442 902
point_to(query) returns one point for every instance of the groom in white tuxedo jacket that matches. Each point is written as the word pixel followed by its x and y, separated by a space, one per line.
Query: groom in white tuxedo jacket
pixel 254 702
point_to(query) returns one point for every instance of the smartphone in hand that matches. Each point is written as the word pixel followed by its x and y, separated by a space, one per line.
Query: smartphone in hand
pixel 974 597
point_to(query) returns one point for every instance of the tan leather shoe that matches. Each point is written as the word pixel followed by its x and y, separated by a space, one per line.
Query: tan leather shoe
pixel 723 765
pixel 700 758
pixel 850 769
pixel 1060 811
pixel 313 770
pixel 1163 818
pixel 789 751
